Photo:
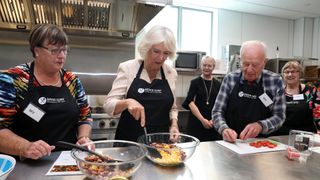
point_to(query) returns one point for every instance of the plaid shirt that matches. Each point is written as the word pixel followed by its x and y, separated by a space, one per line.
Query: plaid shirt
pixel 271 83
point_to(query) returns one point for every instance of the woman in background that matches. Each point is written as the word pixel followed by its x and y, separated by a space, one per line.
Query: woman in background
pixel 300 101
pixel 143 91
pixel 200 100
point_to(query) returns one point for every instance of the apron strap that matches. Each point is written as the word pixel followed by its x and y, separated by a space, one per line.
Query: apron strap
pixel 163 76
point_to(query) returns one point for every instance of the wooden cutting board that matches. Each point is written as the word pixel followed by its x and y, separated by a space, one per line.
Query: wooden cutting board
pixel 243 147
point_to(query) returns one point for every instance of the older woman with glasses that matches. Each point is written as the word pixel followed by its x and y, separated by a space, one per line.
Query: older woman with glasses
pixel 41 103
pixel 300 100
pixel 143 91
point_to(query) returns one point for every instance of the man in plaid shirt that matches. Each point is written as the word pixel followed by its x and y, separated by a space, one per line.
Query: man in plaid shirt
pixel 251 100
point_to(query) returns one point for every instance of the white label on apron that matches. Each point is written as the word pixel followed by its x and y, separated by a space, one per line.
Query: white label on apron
pixel 298 97
pixel 265 99
pixel 34 112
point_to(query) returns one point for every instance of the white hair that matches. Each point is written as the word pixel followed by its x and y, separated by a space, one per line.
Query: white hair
pixel 157 35
pixel 248 44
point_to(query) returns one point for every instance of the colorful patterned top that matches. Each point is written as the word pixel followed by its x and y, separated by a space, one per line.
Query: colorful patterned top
pixel 316 107
pixel 14 84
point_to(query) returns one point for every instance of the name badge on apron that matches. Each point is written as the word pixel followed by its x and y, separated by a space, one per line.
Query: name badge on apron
pixel 265 99
pixel 298 97
pixel 34 112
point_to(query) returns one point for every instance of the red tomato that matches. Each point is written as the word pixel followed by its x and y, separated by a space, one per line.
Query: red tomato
pixel 270 145
pixel 252 144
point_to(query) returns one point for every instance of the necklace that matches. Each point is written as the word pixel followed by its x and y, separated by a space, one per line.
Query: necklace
pixel 207 93
pixel 45 84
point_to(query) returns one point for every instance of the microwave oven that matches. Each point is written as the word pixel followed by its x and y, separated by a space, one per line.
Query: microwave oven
pixel 188 60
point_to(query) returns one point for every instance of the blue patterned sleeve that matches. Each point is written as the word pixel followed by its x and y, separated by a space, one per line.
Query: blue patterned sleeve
pixel 219 109
pixel 7 100
pixel 279 106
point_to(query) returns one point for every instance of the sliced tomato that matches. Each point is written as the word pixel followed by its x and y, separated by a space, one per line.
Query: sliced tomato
pixel 271 145
pixel 252 144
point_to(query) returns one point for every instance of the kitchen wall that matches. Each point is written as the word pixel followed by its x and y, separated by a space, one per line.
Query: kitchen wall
pixel 233 28
pixel 316 38
pixel 236 27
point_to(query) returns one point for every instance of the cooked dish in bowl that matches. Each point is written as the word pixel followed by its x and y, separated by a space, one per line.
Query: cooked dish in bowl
pixel 122 159
pixel 167 150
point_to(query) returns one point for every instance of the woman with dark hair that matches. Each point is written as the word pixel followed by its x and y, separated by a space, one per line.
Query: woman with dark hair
pixel 40 102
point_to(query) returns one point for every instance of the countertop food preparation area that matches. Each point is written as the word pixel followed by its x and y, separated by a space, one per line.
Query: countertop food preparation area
pixel 211 160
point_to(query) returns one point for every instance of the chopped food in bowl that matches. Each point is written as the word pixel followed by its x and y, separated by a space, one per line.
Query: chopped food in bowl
pixel 123 158
pixel 169 150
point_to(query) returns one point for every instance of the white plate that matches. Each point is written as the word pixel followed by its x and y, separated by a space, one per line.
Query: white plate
pixel 243 147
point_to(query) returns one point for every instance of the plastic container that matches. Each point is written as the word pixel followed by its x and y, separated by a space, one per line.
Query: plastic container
pixel 299 145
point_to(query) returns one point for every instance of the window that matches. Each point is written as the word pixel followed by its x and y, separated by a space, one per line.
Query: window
pixel 193 28
pixel 196 34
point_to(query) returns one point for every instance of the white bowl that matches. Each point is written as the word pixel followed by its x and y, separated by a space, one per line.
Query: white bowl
pixel 7 164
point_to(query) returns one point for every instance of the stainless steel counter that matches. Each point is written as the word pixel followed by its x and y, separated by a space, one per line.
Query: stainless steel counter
pixel 210 161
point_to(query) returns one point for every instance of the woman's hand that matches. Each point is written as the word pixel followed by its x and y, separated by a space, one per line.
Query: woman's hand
pixel 208 124
pixel 174 133
pixel 84 140
pixel 35 150
pixel 136 110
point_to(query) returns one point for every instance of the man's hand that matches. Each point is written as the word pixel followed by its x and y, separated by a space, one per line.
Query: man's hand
pixel 229 135
pixel 252 130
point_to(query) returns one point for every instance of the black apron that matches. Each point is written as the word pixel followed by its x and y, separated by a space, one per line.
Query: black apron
pixel 61 114
pixel 298 115
pixel 157 100
pixel 244 106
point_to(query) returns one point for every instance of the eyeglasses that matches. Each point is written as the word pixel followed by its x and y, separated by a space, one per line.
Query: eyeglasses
pixel 56 51
pixel 288 72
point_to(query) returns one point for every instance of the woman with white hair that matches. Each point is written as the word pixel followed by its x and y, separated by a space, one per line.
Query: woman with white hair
pixel 200 100
pixel 143 91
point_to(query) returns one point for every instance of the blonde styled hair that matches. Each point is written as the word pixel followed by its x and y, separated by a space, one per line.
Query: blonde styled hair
pixel 157 35
pixel 204 58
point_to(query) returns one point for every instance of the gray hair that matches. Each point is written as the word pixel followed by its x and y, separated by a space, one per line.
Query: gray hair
pixel 248 44
pixel 157 35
